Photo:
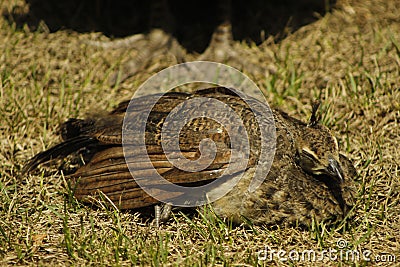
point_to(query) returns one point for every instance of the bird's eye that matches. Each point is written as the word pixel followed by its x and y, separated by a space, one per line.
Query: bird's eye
pixel 309 155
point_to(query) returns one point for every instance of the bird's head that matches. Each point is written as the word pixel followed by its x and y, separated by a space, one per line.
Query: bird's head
pixel 318 150
pixel 316 158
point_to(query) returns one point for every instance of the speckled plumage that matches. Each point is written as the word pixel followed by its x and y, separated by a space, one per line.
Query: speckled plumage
pixel 301 184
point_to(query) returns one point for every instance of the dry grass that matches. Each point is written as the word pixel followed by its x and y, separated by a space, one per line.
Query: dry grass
pixel 350 57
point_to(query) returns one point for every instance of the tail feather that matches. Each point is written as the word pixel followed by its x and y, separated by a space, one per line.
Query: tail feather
pixel 61 150
pixel 75 127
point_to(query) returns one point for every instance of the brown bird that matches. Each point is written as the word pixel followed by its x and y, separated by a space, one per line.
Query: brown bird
pixel 308 179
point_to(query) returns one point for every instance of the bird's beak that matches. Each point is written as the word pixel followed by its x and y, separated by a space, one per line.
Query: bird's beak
pixel 334 170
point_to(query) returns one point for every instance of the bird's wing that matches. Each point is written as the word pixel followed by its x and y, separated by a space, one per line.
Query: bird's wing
pixel 107 170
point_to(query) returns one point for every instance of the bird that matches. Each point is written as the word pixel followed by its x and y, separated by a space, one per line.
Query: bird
pixel 309 179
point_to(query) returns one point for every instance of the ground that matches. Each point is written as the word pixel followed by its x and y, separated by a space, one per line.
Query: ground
pixel 349 57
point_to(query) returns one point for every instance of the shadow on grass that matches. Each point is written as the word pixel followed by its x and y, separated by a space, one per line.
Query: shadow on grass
pixel 193 26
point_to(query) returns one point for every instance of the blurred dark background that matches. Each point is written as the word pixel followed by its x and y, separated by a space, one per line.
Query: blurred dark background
pixel 194 22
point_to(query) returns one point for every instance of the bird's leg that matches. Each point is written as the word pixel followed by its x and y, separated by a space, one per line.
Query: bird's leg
pixel 157 42
pixel 162 213
pixel 221 48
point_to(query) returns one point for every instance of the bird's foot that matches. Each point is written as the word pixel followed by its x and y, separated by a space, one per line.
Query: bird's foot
pixel 162 213
pixel 149 45
pixel 224 49
pixel 157 42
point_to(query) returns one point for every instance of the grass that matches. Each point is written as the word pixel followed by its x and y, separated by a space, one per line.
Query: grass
pixel 349 58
